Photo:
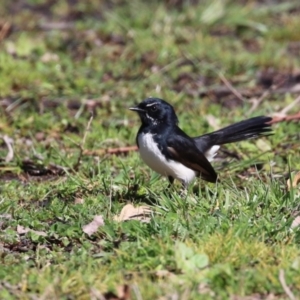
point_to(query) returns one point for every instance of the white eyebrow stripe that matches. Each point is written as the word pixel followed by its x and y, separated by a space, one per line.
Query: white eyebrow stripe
pixel 151 104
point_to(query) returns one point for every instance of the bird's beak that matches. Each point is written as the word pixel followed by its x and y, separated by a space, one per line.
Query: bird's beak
pixel 136 108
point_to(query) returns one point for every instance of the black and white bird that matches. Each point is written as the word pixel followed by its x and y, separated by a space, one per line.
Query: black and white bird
pixel 169 151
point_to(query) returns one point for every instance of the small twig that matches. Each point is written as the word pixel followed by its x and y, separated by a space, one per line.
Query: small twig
pixel 96 295
pixel 120 150
pixel 285 287
pixel 8 142
pixel 110 195
pixel 290 106
pixel 81 146
pixel 137 292
pixel 169 66
pixel 278 119
pixel 231 88
pixel 291 90
pixel 4 30
pixel 265 94
pixel 57 26
pixel 256 102
pixel 86 130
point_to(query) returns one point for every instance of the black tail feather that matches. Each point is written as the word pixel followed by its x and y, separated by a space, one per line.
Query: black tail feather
pixel 244 130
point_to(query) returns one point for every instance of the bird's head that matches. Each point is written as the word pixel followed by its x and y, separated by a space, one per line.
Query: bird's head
pixel 153 111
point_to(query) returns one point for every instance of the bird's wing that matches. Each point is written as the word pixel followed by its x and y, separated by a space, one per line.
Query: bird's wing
pixel 183 149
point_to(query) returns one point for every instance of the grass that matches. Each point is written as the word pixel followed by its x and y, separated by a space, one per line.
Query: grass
pixel 224 241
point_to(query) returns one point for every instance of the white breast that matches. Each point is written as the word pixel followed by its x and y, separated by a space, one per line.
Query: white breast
pixel 152 156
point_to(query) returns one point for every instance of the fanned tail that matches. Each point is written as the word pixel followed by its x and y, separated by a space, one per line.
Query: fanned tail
pixel 244 130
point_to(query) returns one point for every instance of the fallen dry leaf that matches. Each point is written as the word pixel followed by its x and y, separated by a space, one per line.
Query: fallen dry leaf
pixel 204 289
pixel 295 182
pixel 79 200
pixel 48 57
pixel 296 222
pixel 163 274
pixel 129 212
pixel 263 145
pixel 22 230
pixel 5 216
pixel 122 293
pixel 92 227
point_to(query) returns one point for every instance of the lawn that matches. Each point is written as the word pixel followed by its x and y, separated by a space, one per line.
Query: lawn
pixel 69 71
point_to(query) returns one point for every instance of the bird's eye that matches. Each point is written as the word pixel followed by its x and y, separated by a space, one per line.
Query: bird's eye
pixel 153 108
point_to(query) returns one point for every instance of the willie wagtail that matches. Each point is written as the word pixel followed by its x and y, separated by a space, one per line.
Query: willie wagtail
pixel 169 151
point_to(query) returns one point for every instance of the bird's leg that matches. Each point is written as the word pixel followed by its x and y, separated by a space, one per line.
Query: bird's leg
pixel 184 189
pixel 171 181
